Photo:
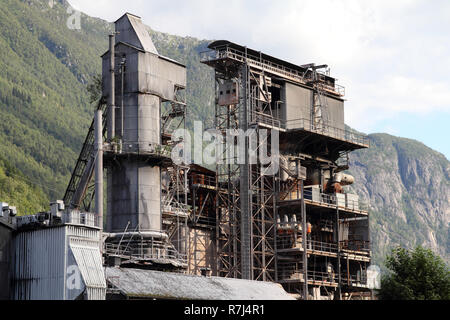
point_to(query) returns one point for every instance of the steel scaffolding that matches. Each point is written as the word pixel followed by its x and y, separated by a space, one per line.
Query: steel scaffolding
pixel 283 226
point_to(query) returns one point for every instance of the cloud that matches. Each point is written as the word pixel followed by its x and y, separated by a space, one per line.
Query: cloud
pixel 392 56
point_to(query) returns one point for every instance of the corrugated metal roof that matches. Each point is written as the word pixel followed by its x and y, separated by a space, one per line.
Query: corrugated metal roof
pixel 132 29
pixel 165 285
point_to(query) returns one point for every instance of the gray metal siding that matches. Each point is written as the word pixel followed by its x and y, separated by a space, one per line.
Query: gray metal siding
pixel 159 76
pixel 132 31
pixel 135 180
pixel 335 113
pixel 42 258
pixel 39 264
pixel 5 261
pixel 85 254
pixel 297 104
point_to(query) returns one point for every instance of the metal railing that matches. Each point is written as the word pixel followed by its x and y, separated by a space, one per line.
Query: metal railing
pixel 175 208
pixel 329 199
pixel 321 246
pixel 69 217
pixel 80 218
pixel 145 250
pixel 348 135
pixel 290 272
pixel 204 180
pixel 331 278
pixel 354 280
pixel 259 117
pixel 355 245
pixel 139 148
pixel 294 272
pixel 292 241
pixel 225 51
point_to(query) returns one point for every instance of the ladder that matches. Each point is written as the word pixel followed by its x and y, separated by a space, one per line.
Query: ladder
pixel 319 111
pixel 84 168
pixel 320 108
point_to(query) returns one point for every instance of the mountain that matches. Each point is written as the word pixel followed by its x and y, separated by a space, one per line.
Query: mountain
pixel 45 112
pixel 408 187
pixel 45 66
pixel 17 190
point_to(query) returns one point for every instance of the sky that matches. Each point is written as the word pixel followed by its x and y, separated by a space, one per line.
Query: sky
pixel 393 57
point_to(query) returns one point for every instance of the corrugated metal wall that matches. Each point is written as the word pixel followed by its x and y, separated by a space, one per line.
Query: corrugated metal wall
pixel 58 263
pixel 39 264
pixel 84 249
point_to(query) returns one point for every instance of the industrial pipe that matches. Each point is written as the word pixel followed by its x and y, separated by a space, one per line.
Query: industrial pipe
pixel 112 93
pixel 98 131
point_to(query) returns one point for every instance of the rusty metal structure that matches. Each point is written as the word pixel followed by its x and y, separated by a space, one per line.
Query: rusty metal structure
pixel 296 226
pixel 276 207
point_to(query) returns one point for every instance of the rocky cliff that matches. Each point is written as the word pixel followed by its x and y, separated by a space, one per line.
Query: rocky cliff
pixel 408 187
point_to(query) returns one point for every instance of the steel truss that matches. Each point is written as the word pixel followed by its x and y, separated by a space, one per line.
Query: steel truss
pixel 174 178
pixel 245 193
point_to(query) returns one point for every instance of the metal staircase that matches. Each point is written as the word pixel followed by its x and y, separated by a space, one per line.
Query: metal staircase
pixel 84 168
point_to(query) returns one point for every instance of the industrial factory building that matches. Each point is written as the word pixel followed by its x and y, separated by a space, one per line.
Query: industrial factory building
pixel 178 230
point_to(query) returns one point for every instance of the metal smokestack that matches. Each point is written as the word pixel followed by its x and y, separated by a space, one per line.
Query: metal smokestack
pixel 98 132
pixel 112 93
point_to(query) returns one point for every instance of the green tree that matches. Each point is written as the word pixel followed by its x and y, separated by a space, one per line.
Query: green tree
pixel 416 274
pixel 94 88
